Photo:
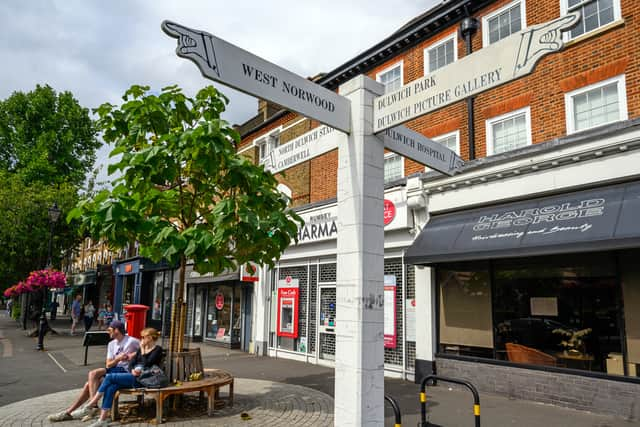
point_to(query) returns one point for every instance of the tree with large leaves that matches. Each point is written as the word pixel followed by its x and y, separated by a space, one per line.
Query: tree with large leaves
pixel 183 192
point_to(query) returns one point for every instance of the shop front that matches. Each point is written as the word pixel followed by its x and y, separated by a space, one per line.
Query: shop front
pixel 301 291
pixel 544 291
pixel 140 281
pixel 219 309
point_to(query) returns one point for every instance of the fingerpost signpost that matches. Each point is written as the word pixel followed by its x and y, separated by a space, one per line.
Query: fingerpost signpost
pixel 351 119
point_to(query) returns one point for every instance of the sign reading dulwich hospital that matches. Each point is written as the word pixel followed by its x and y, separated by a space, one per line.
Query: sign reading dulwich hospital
pixel 223 62
pixel 416 146
pixel 508 59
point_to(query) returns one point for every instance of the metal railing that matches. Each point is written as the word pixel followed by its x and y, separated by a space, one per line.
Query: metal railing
pixel 433 379
pixel 396 410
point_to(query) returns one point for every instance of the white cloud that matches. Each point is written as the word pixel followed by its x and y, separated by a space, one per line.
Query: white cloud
pixel 97 49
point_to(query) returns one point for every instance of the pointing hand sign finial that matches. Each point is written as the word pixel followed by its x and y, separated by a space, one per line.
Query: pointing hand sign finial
pixel 194 45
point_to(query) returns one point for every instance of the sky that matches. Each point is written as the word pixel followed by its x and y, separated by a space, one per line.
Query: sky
pixel 98 49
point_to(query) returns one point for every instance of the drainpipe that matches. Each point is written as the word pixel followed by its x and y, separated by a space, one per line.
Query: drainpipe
pixel 468 27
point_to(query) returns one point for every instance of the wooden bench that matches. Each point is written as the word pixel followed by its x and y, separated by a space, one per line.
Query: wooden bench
pixel 213 380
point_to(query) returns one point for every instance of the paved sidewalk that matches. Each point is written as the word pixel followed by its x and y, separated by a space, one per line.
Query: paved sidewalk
pixel 275 392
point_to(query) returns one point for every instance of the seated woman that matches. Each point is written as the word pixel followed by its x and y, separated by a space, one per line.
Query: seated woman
pixel 148 354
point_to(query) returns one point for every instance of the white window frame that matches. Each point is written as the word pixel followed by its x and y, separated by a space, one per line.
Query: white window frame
pixel 391 67
pixel 425 54
pixel 266 140
pixel 389 155
pixel 439 138
pixel 486 18
pixel 564 10
pixel 490 122
pixel 622 102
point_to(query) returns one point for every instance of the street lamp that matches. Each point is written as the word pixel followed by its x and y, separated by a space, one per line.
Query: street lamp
pixel 54 215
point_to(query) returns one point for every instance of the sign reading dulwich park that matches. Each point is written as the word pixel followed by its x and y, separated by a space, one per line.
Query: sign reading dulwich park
pixel 508 59
pixel 359 385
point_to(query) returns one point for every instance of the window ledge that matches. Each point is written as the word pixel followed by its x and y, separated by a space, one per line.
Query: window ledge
pixel 596 32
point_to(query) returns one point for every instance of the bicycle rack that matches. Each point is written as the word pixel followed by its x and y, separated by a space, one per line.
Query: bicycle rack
pixel 433 379
pixel 396 409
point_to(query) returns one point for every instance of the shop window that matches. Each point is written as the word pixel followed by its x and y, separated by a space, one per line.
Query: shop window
pixel 553 311
pixel 158 283
pixel 595 14
pixel 596 105
pixel 393 167
pixel 502 23
pixel 223 315
pixel 391 77
pixel 440 54
pixel 509 131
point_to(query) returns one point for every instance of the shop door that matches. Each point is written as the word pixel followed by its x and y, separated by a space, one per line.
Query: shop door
pixel 246 315
pixel 327 323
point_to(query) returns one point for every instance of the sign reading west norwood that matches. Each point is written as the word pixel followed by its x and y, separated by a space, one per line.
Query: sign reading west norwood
pixel 305 147
pixel 223 62
pixel 414 145
pixel 496 64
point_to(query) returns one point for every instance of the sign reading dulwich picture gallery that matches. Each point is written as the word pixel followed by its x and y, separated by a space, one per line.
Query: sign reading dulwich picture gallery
pixel 509 59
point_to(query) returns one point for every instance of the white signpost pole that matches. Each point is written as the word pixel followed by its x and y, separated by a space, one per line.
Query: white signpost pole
pixel 359 364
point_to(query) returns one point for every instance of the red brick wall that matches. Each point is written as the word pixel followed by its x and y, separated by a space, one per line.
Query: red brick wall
pixel 583 62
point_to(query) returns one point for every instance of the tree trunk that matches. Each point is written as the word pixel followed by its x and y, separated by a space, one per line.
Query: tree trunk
pixel 178 313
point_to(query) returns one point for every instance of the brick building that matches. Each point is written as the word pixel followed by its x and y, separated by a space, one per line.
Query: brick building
pixel 517 273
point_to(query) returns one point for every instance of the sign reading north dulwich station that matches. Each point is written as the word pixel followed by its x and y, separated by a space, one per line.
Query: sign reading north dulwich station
pixel 508 59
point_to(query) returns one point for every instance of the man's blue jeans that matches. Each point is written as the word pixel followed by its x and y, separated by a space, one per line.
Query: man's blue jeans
pixel 114 382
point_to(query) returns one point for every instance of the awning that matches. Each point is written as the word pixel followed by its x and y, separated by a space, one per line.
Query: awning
pixel 598 219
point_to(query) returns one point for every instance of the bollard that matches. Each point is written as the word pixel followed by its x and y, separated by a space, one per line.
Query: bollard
pixel 396 410
pixel 433 378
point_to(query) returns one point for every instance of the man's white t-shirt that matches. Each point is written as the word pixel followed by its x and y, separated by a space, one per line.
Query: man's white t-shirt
pixel 126 345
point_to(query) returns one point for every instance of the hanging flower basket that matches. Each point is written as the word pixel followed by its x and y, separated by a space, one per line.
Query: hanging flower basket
pixel 51 279
pixel 10 292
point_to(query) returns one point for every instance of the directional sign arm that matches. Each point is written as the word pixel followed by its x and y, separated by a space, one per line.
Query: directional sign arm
pixel 221 61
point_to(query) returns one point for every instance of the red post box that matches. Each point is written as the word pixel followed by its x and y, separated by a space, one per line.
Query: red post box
pixel 135 318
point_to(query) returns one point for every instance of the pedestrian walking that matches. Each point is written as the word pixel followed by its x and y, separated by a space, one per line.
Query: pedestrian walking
pixel 9 306
pixel 89 313
pixel 76 308
pixel 108 314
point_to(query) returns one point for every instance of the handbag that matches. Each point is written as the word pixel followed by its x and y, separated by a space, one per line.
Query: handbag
pixel 153 377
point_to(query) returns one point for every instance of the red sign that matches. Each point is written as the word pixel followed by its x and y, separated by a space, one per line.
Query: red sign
pixel 288 297
pixel 128 268
pixel 389 211
pixel 219 301
pixel 249 272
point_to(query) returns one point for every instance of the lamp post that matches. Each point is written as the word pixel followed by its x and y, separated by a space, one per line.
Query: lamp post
pixel 54 215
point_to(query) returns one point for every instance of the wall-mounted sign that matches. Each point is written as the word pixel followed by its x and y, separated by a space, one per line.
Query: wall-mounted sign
pixel 288 299
pixel 228 64
pixel 389 211
pixel 508 59
pixel 219 301
pixel 414 145
pixel 390 331
pixel 128 268
pixel 410 320
pixel 249 272
pixel 303 148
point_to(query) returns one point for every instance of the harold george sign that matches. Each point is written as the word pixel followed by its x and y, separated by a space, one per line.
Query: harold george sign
pixel 496 64
pixel 228 64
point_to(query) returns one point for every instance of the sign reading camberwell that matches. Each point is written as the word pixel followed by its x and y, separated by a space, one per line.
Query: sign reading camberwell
pixel 305 147
pixel 496 64
pixel 223 62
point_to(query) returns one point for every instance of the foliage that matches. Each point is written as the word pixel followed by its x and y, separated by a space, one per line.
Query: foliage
pixel 16 311
pixel 183 192
pixel 574 340
pixel 25 228
pixel 46 137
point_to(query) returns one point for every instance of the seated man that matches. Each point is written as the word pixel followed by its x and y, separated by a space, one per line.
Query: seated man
pixel 120 349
